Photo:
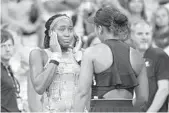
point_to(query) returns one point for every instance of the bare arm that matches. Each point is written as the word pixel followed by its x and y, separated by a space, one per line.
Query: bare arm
pixel 142 90
pixel 162 76
pixel 41 78
pixel 85 82
pixel 160 96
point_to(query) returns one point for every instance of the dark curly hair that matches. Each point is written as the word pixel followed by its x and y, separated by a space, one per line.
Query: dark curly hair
pixel 47 26
pixel 113 20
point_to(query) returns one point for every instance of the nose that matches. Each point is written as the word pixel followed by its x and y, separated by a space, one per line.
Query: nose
pixel 67 33
pixel 144 37
pixel 7 48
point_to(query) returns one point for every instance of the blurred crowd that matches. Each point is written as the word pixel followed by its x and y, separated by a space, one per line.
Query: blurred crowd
pixel 25 20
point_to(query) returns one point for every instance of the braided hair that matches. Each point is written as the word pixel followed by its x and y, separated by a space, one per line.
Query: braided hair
pixel 47 26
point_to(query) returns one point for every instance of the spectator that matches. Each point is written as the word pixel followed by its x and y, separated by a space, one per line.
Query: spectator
pixel 81 26
pixel 157 63
pixel 161 30
pixel 9 84
pixel 150 8
pixel 17 14
pixel 136 10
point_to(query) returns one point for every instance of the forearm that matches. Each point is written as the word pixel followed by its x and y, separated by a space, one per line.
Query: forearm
pixel 158 101
pixel 43 80
pixel 80 102
pixel 88 101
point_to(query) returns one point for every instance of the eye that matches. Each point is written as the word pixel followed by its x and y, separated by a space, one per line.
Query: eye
pixel 164 15
pixel 147 33
pixel 10 45
pixel 61 29
pixel 157 16
pixel 2 46
pixel 139 33
pixel 71 29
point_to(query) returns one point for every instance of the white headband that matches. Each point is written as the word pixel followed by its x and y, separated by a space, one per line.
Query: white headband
pixel 57 19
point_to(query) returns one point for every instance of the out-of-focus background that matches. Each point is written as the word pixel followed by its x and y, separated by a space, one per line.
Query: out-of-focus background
pixel 25 19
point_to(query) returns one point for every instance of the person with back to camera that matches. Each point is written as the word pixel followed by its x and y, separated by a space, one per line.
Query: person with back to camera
pixel 111 69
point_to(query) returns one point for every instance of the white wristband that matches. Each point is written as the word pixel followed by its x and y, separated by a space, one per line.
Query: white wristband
pixel 56 56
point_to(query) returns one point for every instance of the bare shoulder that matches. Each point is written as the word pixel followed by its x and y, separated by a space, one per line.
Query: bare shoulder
pixel 37 55
pixel 136 60
pixel 96 50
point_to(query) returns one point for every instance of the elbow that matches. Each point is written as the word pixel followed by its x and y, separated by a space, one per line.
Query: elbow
pixel 82 93
pixel 140 101
pixel 39 90
pixel 144 99
pixel 38 87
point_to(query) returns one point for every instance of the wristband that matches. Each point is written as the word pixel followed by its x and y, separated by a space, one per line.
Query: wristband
pixel 54 62
pixel 56 56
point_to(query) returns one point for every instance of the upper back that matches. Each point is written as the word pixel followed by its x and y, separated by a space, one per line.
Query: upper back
pixel 113 67
pixel 105 55
pixel 102 57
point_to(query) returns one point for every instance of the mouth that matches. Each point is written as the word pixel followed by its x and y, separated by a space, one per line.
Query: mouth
pixel 7 54
pixel 144 42
pixel 67 42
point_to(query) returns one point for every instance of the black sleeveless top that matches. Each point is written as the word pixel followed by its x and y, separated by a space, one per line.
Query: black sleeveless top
pixel 120 75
